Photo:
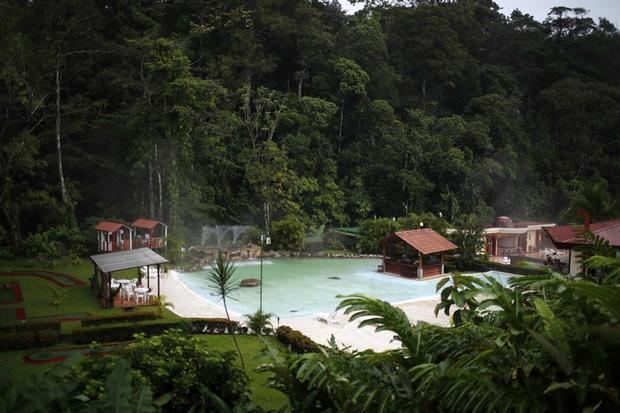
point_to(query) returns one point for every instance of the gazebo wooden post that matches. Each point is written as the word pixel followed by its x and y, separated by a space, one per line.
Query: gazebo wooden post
pixel 384 264
pixel 109 288
pixel 421 269
pixel 148 277
pixel 158 280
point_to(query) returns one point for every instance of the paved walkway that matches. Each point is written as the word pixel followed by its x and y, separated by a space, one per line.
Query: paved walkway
pixel 189 304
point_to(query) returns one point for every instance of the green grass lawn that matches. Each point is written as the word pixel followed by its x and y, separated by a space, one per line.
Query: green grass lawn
pixel 251 348
pixel 38 292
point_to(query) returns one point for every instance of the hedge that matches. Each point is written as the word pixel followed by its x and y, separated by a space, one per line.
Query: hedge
pixel 31 326
pixel 121 332
pixel 28 339
pixel 215 326
pixel 144 316
pixel 512 269
pixel 296 340
pixel 126 331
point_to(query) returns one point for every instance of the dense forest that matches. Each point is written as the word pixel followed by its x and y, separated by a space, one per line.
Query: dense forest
pixel 253 112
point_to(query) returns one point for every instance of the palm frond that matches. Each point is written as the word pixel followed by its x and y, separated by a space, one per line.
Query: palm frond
pixel 380 314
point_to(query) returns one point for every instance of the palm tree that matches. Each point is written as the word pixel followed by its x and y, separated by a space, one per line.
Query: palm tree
pixel 259 322
pixel 222 283
pixel 594 198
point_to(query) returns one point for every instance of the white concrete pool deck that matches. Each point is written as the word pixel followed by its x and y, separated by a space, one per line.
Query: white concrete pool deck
pixel 187 303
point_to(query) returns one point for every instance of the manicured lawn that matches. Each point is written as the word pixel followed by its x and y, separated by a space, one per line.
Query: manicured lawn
pixel 252 350
pixel 38 292
pixel 251 347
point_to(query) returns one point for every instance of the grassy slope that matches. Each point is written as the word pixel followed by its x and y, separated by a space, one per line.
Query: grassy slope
pixel 37 295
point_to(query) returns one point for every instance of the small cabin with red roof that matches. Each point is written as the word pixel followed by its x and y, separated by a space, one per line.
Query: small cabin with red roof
pixel 113 236
pixel 150 233
pixel 415 253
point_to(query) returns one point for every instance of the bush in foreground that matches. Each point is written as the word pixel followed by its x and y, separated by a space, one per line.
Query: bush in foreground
pixel 175 364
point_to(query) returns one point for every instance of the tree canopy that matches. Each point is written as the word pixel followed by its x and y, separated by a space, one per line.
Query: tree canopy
pixel 199 112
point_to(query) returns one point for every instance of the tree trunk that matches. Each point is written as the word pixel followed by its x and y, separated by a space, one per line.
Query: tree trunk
pixel 340 125
pixel 232 334
pixel 159 185
pixel 151 194
pixel 424 87
pixel 63 189
pixel 299 86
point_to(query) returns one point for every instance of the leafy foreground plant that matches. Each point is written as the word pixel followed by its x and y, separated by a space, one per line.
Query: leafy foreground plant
pixel 546 344
pixel 175 364
pixel 53 391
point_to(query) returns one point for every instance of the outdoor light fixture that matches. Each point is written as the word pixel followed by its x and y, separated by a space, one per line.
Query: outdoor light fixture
pixel 421 224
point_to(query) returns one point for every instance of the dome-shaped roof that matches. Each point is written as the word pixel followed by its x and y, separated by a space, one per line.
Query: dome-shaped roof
pixel 503 222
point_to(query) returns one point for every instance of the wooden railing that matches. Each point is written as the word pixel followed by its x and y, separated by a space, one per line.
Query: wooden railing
pixel 402 269
pixel 152 243
pixel 113 246
pixel 411 270
pixel 430 270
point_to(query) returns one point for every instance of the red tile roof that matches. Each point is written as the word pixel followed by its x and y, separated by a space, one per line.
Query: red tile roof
pixel 569 235
pixel 109 226
pixel 426 241
pixel 146 223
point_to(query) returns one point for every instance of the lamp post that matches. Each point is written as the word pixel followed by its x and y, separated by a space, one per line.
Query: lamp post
pixel 264 240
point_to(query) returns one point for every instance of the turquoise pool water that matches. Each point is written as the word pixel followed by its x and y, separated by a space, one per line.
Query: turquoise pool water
pixel 305 286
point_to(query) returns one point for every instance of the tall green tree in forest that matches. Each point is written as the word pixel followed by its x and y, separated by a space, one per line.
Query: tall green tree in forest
pixel 352 81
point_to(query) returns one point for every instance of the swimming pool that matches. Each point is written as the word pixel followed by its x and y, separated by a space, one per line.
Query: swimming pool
pixel 296 287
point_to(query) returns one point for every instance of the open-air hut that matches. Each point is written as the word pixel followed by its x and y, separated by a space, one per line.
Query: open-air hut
pixel 416 253
pixel 105 265
pixel 150 233
pixel 113 236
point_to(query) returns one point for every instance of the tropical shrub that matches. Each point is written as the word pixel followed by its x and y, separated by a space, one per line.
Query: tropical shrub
pixel 374 230
pixel 296 340
pixel 469 238
pixel 259 322
pixel 171 364
pixel 54 243
pixel 288 233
